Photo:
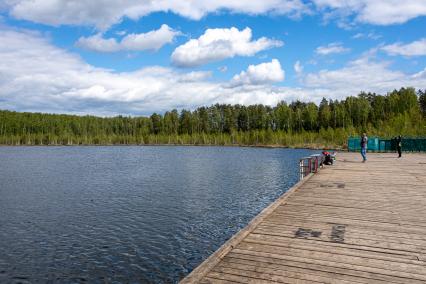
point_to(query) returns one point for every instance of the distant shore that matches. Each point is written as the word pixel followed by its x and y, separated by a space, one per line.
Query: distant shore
pixel 308 147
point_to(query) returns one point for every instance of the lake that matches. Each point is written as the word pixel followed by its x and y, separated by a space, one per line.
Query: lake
pixel 129 214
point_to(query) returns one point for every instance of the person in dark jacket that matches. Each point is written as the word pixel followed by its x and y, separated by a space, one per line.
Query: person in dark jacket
pixel 328 159
pixel 399 145
pixel 364 141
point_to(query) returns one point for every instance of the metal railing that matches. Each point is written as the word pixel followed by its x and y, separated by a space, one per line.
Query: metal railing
pixel 309 165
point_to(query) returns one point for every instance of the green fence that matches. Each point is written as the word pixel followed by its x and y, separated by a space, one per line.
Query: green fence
pixel 354 144
pixel 376 144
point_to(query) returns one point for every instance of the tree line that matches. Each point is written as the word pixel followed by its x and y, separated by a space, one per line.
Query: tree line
pixel 297 124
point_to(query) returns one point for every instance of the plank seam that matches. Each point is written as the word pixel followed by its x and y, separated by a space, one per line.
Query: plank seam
pixel 205 267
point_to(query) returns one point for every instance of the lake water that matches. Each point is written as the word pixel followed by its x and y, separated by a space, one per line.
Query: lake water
pixel 129 214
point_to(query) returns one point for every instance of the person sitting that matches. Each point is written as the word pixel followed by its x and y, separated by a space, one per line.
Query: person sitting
pixel 328 158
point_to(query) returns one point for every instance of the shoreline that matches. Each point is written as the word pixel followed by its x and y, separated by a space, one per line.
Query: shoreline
pixel 308 147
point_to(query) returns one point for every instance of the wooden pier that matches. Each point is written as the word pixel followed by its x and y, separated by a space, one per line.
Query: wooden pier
pixel 350 223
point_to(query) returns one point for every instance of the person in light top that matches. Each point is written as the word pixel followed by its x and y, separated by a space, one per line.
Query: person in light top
pixel 364 141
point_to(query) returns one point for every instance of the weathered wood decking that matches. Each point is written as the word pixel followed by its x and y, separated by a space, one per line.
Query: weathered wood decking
pixel 350 223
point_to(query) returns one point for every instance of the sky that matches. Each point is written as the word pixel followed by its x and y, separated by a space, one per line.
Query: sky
pixel 137 57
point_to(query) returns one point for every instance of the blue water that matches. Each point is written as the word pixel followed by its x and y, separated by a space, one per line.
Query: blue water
pixel 129 214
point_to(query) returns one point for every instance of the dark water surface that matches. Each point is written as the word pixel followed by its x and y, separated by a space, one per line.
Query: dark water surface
pixel 129 214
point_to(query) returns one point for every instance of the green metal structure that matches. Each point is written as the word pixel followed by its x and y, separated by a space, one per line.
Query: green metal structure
pixel 354 144
pixel 376 144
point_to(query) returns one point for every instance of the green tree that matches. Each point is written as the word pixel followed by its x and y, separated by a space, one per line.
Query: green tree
pixel 422 102
pixel 157 124
pixel 324 114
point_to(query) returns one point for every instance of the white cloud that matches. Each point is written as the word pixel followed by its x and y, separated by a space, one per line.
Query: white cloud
pixel 104 13
pixel 98 43
pixel 370 35
pixel 358 35
pixel 363 74
pixel 263 73
pixel 218 44
pixel 415 48
pixel 223 69
pixel 378 12
pixel 335 47
pixel 298 68
pixel 152 40
pixel 49 79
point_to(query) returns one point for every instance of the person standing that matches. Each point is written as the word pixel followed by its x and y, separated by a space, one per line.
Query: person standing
pixel 364 141
pixel 399 145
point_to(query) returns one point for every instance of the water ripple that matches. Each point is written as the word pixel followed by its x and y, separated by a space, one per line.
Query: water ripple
pixel 128 214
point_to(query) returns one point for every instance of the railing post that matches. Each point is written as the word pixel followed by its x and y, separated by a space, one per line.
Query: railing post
pixel 309 165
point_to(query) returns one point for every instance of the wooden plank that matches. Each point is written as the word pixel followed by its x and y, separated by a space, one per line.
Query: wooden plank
pixel 326 230
pixel 350 223
pixel 296 272
pixel 320 267
pixel 356 261
pixel 336 264
pixel 335 248
pixel 265 275
pixel 198 273
pixel 208 280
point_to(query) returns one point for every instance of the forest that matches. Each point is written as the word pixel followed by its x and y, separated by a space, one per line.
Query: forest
pixel 295 124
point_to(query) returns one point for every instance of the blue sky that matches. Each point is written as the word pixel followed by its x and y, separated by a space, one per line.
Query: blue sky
pixel 139 57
